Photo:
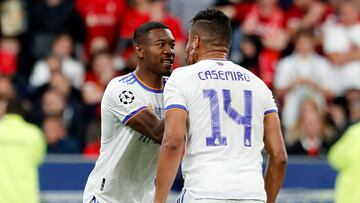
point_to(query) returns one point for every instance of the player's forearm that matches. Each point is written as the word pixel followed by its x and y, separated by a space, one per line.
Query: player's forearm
pixel 158 132
pixel 148 124
pixel 170 157
pixel 274 176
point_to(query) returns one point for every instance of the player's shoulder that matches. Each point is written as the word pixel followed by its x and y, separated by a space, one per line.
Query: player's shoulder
pixel 255 80
pixel 183 72
pixel 126 81
pixel 122 85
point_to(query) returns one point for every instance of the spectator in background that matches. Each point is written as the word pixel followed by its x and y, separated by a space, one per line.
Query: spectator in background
pixel 102 71
pixel 250 48
pixel 9 49
pixel 3 104
pixel 12 18
pixel 353 98
pixel 59 98
pixel 7 92
pixel 57 137
pixel 345 111
pixel 62 48
pixel 344 157
pixel 246 48
pixel 236 10
pixel 342 45
pixel 93 139
pixel 266 20
pixel 311 135
pixel 102 19
pixel 185 9
pixel 48 19
pixel 306 14
pixel 22 149
pixel 43 70
pixel 302 73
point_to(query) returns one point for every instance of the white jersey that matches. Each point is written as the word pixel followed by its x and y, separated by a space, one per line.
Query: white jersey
pixel 226 105
pixel 125 169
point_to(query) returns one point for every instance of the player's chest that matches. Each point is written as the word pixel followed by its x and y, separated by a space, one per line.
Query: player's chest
pixel 154 102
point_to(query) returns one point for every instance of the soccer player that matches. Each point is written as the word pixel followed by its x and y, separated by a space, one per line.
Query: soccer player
pixel 131 129
pixel 223 116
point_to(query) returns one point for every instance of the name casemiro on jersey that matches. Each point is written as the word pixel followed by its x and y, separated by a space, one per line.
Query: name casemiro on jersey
pixel 223 75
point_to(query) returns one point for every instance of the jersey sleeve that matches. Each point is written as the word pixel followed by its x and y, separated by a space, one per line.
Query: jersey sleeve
pixel 173 95
pixel 124 101
pixel 270 105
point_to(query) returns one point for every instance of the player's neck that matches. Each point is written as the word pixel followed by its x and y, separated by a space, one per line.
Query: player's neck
pixel 213 54
pixel 150 79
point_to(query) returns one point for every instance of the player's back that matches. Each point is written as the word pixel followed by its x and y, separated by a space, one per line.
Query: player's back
pixel 226 105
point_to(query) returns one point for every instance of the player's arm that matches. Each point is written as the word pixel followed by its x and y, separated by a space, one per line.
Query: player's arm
pixel 171 152
pixel 277 156
pixel 148 124
pixel 126 103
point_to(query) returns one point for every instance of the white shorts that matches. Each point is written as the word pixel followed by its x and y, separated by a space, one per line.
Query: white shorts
pixel 186 197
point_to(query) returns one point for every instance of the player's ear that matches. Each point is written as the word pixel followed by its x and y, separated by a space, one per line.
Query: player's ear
pixel 139 50
pixel 196 43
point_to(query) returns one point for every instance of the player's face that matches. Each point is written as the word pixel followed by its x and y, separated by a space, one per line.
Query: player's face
pixel 159 51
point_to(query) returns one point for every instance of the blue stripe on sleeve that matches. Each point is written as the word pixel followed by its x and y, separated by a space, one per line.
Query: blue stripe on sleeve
pixel 270 111
pixel 175 106
pixel 130 115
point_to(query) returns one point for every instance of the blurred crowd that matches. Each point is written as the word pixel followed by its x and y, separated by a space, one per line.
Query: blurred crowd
pixel 57 56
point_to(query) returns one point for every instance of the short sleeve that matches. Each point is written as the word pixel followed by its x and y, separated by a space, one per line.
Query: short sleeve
pixel 122 100
pixel 173 96
pixel 270 105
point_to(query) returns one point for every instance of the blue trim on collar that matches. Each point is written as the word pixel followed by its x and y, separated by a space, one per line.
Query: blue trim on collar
pixel 146 87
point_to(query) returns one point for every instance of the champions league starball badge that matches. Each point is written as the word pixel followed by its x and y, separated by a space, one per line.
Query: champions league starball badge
pixel 126 97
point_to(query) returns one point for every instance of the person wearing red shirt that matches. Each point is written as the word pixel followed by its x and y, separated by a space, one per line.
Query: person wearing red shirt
pixel 9 49
pixel 266 20
pixel 102 18
pixel 306 14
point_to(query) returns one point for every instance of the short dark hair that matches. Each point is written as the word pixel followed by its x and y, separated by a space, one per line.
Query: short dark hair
pixel 215 23
pixel 144 29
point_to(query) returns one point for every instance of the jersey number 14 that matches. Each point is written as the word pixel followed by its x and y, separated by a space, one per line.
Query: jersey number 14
pixel 216 138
